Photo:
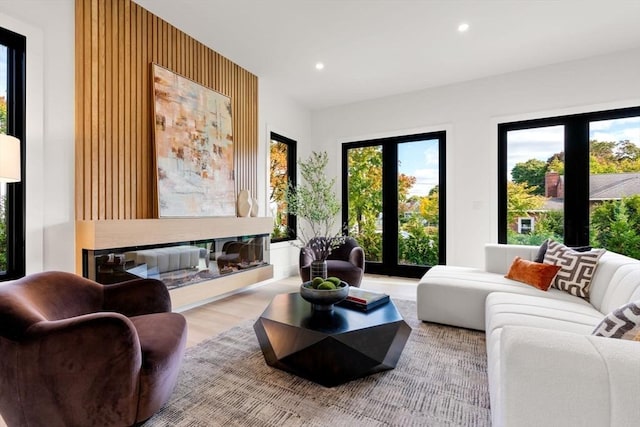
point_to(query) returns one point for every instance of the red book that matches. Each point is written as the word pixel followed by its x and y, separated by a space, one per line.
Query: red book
pixel 363 299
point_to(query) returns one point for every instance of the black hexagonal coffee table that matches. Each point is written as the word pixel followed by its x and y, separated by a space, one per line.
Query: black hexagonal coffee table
pixel 330 348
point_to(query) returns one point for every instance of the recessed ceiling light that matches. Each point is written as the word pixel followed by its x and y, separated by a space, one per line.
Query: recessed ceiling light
pixel 463 27
pixel 319 66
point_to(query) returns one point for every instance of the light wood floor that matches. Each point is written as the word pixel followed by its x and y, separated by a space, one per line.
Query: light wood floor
pixel 213 318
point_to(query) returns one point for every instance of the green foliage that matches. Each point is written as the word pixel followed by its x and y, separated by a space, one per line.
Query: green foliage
pixel 370 240
pixel 551 224
pixel 532 174
pixel 521 199
pixel 418 244
pixel 315 204
pixel 615 225
pixel 3 115
pixel 430 206
pixel 279 180
pixel 365 187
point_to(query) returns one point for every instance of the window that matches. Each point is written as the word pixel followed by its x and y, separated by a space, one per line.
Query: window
pixel 577 177
pixel 525 225
pixel 12 109
pixel 282 174
pixel 393 200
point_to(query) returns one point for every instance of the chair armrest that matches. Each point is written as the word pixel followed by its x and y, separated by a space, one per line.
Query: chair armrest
pixel 137 297
pixel 356 257
pixel 555 378
pixel 93 360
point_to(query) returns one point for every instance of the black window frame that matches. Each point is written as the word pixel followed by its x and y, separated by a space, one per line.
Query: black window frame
pixel 389 265
pixel 292 230
pixel 15 205
pixel 576 161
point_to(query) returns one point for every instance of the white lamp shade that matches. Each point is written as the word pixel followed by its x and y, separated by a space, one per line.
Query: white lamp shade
pixel 9 159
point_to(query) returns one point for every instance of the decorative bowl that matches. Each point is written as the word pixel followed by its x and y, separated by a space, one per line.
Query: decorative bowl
pixel 323 299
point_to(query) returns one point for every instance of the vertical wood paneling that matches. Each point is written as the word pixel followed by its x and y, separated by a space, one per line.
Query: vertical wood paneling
pixel 116 41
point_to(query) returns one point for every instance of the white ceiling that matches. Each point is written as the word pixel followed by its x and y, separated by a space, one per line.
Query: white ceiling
pixel 375 48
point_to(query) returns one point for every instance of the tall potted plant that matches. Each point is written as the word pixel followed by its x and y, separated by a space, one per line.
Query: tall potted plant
pixel 315 205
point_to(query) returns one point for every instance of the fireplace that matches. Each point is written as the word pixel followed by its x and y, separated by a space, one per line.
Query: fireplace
pixel 177 264
pixel 199 259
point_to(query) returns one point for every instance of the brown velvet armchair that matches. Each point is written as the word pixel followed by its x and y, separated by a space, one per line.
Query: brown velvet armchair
pixel 77 353
pixel 345 262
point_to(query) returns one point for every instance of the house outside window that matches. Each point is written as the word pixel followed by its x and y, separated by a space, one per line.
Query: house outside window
pixel 525 225
pixel 578 176
pixel 282 175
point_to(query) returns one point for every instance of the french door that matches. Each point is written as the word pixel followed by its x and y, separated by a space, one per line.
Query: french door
pixel 393 197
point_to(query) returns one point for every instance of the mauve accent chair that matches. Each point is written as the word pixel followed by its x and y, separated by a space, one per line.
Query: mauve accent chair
pixel 77 353
pixel 346 262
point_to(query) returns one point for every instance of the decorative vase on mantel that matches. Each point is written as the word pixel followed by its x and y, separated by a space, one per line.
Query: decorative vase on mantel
pixel 319 269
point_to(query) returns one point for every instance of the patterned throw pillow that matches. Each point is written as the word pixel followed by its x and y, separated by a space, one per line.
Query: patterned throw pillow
pixel 576 270
pixel 623 322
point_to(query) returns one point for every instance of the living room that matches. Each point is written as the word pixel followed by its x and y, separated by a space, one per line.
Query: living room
pixel 469 111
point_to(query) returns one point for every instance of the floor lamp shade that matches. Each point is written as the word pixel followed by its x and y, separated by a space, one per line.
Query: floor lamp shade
pixel 9 159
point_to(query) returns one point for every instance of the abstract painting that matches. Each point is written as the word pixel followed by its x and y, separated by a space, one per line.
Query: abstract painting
pixel 194 148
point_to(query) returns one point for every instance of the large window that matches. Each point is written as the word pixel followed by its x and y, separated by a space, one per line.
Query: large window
pixel 282 174
pixel 573 178
pixel 12 109
pixel 393 201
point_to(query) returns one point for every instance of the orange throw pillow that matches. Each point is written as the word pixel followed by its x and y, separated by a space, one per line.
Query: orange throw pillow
pixel 532 273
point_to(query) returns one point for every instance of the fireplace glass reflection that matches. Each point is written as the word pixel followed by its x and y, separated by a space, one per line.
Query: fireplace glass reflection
pixel 180 263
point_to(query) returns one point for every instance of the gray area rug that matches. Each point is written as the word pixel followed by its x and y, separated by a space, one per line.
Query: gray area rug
pixel 440 380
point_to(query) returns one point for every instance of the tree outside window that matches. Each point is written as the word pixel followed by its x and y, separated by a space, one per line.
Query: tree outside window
pixel 282 171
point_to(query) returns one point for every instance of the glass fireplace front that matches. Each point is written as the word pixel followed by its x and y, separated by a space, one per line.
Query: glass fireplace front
pixel 180 263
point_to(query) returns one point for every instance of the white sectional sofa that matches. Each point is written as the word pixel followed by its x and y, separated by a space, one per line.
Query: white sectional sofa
pixel 544 366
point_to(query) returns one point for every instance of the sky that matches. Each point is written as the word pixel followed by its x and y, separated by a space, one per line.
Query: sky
pixel 542 143
pixel 420 158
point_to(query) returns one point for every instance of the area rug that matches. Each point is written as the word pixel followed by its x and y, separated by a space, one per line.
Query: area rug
pixel 440 380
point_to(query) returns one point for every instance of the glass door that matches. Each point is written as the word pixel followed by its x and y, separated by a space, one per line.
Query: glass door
pixel 393 202
pixel 418 203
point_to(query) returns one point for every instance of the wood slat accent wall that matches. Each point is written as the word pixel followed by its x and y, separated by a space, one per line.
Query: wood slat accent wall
pixel 116 41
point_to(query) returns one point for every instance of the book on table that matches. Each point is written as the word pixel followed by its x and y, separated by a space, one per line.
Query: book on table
pixel 363 299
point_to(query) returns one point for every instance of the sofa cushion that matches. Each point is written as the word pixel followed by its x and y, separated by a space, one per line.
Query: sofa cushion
pixel 456 295
pixel 623 322
pixel 577 268
pixel 509 309
pixel 532 273
pixel 616 282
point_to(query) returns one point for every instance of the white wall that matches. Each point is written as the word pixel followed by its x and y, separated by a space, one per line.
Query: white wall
pixel 470 112
pixel 49 28
pixel 283 116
